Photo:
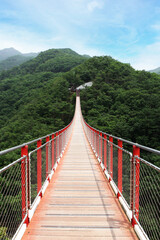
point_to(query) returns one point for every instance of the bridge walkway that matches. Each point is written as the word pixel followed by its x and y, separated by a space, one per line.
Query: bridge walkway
pixel 79 202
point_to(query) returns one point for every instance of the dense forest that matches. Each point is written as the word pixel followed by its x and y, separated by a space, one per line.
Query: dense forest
pixel 35 98
pixel 14 61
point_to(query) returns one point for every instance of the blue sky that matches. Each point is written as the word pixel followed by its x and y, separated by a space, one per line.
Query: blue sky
pixel 127 30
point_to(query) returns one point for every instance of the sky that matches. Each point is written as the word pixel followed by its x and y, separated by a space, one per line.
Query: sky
pixel 127 30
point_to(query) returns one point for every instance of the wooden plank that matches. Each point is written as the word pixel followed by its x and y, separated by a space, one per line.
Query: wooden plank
pixel 79 202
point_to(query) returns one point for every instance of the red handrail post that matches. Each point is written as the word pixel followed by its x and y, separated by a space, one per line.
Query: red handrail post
pixel 135 184
pixel 47 154
pixel 52 151
pixel 111 156
pixel 39 165
pixel 105 151
pixel 24 180
pixel 120 152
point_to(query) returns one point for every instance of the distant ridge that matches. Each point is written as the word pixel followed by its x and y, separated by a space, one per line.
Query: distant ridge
pixel 10 57
pixel 156 70
pixel 8 52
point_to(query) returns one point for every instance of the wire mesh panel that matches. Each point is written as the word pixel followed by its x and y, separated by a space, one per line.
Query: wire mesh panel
pixel 102 150
pixel 33 176
pixel 149 199
pixel 126 176
pixel 115 164
pixel 43 164
pixel 11 196
pixel 55 154
pixel 49 157
pixel 108 156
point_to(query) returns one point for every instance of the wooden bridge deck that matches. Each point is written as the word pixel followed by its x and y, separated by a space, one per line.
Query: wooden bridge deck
pixel 79 202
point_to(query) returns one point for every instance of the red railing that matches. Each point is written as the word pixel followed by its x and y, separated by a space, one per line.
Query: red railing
pixel 24 181
pixel 135 181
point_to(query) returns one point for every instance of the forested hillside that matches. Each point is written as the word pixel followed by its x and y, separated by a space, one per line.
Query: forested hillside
pixel 34 98
pixel 8 52
pixel 14 61
pixel 122 101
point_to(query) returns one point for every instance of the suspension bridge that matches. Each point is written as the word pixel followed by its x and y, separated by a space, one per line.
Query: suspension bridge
pixel 79 183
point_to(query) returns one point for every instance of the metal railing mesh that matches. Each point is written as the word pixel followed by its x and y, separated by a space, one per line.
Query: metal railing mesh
pixel 43 164
pixel 126 177
pixel 137 182
pixel 149 199
pixel 11 199
pixel 33 176
pixel 115 164
pixel 22 181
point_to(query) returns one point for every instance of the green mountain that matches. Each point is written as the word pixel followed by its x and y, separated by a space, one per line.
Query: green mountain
pixel 157 70
pixel 14 61
pixel 35 98
pixel 10 57
pixel 8 52
pixel 121 101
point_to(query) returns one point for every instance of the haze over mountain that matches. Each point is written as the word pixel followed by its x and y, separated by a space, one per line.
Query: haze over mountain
pixel 156 70
pixel 10 57
pixel 8 52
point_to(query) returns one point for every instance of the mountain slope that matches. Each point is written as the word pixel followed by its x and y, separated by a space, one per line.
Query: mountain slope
pixel 14 61
pixel 53 60
pixel 157 70
pixel 122 101
pixel 8 52
pixel 10 57
pixel 34 97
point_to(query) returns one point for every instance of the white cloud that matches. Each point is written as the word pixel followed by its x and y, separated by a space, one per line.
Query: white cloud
pixel 21 39
pixel 156 27
pixel 148 58
pixel 93 5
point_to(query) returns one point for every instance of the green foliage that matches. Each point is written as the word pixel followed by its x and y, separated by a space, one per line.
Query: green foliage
pixel 3 234
pixel 35 99
pixel 122 101
pixel 13 62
